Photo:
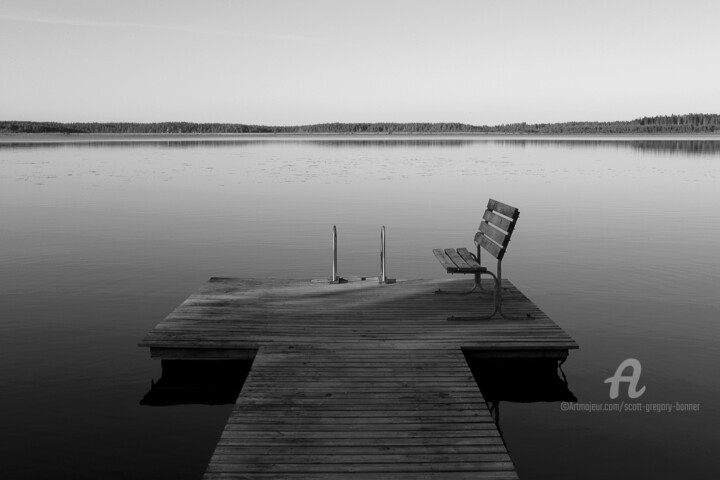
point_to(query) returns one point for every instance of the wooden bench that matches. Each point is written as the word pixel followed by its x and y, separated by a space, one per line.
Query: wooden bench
pixel 493 236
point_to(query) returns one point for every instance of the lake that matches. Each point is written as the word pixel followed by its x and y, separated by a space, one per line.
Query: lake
pixel 102 237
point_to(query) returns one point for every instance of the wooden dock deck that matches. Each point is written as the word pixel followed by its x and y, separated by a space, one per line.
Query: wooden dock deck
pixel 355 380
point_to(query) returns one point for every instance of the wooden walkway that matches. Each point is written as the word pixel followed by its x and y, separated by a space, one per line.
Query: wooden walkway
pixel 356 380
pixel 379 413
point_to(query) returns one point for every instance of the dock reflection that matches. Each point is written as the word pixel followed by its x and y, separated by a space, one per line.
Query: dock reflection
pixel 198 382
pixel 520 380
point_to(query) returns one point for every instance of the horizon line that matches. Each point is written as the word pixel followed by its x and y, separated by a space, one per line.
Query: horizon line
pixel 351 122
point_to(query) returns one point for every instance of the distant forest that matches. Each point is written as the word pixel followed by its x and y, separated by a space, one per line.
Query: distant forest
pixel 690 123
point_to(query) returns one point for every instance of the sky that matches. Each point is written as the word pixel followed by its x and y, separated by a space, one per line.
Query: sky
pixel 284 62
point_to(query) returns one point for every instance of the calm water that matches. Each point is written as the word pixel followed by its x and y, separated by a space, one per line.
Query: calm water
pixel 617 241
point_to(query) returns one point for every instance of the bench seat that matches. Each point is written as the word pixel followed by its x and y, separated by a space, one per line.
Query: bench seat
pixel 458 260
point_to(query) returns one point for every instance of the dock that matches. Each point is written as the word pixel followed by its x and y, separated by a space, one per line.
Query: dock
pixel 357 380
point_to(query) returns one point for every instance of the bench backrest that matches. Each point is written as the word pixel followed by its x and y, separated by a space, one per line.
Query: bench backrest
pixel 496 228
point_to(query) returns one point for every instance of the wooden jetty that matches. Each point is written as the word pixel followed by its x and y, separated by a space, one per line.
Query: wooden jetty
pixel 358 380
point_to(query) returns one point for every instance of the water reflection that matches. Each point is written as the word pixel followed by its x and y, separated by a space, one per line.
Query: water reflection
pixel 199 382
pixel 520 380
pixel 670 145
pixel 182 142
pixel 666 146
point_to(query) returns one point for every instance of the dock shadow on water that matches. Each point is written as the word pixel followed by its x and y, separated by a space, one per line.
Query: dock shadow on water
pixel 198 382
pixel 521 380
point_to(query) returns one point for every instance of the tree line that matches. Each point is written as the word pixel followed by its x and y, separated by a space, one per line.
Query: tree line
pixel 689 123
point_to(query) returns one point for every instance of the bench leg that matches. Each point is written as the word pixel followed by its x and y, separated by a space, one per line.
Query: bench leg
pixel 497 305
pixel 477 287
pixel 527 316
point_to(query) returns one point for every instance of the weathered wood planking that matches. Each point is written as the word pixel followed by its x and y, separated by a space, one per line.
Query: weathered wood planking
pixel 238 314
pixel 356 380
pixel 317 412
